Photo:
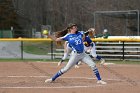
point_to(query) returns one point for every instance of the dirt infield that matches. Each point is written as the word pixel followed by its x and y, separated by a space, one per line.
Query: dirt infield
pixel 28 77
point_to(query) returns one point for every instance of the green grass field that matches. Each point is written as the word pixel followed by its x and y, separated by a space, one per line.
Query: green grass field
pixel 40 48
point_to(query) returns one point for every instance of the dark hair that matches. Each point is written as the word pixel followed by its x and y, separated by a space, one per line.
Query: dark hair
pixel 65 31
pixel 71 25
pixel 61 33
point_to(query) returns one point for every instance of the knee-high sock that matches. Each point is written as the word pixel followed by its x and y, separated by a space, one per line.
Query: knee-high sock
pixel 59 73
pixel 61 60
pixel 77 63
pixel 98 57
pixel 96 72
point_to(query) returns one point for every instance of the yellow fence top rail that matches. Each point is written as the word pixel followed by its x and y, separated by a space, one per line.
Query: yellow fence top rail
pixel 110 39
pixel 25 39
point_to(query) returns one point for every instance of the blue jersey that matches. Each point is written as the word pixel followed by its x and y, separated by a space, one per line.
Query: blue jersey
pixel 75 41
pixel 88 42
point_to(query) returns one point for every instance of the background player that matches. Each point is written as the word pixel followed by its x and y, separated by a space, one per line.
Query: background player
pixel 90 47
pixel 74 38
pixel 67 51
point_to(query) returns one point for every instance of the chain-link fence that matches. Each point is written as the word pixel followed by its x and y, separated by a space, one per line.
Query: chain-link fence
pixel 118 23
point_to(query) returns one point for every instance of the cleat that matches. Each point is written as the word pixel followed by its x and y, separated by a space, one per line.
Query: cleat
pixel 76 66
pixel 59 63
pixel 101 82
pixel 102 61
pixel 79 63
pixel 48 81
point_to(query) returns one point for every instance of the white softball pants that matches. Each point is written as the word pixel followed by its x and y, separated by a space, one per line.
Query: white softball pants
pixel 75 57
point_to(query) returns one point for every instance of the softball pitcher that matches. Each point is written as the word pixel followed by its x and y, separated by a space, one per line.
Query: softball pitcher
pixel 74 38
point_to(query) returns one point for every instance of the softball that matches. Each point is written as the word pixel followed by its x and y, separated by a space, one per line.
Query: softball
pixel 45 32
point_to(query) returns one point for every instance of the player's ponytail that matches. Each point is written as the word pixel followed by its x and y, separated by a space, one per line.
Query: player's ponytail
pixel 60 34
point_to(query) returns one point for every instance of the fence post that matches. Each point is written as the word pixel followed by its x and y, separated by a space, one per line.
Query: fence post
pixel 21 50
pixel 123 50
pixel 51 50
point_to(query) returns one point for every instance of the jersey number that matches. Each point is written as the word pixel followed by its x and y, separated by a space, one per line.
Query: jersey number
pixel 78 41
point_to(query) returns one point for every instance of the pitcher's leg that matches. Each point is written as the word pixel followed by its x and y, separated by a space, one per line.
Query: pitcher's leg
pixel 72 61
pixel 90 63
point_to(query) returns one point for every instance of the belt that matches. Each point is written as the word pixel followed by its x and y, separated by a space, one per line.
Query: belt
pixel 78 52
